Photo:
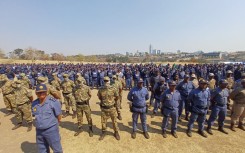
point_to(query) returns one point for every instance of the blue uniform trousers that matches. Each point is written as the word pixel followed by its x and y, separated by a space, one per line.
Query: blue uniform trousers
pixel 173 114
pixel 135 117
pixel 156 105
pixel 128 83
pixel 200 118
pixel 184 104
pixel 48 138
pixel 146 82
pixel 217 111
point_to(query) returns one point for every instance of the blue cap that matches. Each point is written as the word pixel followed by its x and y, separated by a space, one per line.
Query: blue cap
pixel 41 88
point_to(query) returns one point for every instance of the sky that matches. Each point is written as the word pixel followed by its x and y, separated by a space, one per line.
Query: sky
pixel 92 27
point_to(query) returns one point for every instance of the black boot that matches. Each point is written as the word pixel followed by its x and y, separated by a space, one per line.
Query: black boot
pixel 202 133
pixel 164 134
pixel 102 136
pixel 91 131
pixel 80 130
pixel 119 116
pixel 221 129
pixel 146 135
pixel 29 127
pixel 117 136
pixel 17 126
pixel 133 135
pixel 66 114
pixel 240 126
pixel 209 130
pixel 232 127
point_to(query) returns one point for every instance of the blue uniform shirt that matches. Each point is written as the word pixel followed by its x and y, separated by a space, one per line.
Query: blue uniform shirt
pixel 185 88
pixel 199 99
pixel 220 96
pixel 138 96
pixel 171 100
pixel 46 114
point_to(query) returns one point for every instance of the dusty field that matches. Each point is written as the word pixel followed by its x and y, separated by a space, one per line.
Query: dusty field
pixel 20 141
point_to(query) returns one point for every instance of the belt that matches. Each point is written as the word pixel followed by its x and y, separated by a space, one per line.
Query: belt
pixel 201 107
pixel 8 93
pixel 66 93
pixel 107 107
pixel 170 108
pixel 138 106
pixel 82 103
pixel 221 105
pixel 22 104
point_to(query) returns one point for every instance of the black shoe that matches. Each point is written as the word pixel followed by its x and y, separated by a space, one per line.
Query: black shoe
pixel 164 134
pixel 29 128
pixel 174 134
pixel 146 135
pixel 202 133
pixel 209 130
pixel 80 130
pixel 116 135
pixel 119 117
pixel 189 133
pixel 221 129
pixel 66 114
pixel 240 126
pixel 91 134
pixel 17 126
pixel 102 136
pixel 133 135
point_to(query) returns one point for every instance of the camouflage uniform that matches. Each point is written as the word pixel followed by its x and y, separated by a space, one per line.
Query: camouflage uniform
pixel 23 98
pixel 118 86
pixel 8 94
pixel 25 81
pixel 82 94
pixel 108 96
pixel 230 86
pixel 238 96
pixel 122 82
pixel 67 87
pixel 79 77
pixel 55 82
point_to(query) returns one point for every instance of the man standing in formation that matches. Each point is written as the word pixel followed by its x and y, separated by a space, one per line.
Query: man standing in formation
pixel 108 97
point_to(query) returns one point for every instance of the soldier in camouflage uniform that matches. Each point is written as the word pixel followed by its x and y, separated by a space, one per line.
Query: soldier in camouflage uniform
pixel 23 99
pixel 78 77
pixel 51 90
pixel 8 94
pixel 212 82
pixel 230 85
pixel 118 86
pixel 56 82
pixel 67 86
pixel 82 94
pixel 108 96
pixel 121 80
pixel 25 81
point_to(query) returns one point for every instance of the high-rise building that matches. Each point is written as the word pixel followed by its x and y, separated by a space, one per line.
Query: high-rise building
pixel 158 52
pixel 150 49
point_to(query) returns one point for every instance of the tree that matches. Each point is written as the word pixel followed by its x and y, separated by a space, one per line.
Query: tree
pixel 57 56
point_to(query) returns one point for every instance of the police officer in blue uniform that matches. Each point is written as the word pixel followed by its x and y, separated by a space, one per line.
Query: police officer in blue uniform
pixel 185 87
pixel 199 99
pixel 47 113
pixel 128 78
pixel 170 99
pixel 138 96
pixel 219 99
pixel 94 78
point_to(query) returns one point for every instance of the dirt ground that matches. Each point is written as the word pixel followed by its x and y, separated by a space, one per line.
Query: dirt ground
pixel 20 141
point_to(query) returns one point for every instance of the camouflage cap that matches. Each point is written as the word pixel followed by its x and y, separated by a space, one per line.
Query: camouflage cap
pixel 114 77
pixel 41 78
pixel 211 74
pixel 22 74
pixel 80 79
pixel 106 78
pixel 223 81
pixel 65 75
pixel 229 71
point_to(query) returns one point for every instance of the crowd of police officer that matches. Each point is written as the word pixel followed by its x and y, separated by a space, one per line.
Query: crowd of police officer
pixel 195 88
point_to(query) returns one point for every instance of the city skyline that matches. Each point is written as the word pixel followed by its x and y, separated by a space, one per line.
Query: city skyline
pixel 96 27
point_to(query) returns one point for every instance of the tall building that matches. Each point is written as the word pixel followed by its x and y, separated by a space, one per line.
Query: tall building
pixel 158 52
pixel 150 49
